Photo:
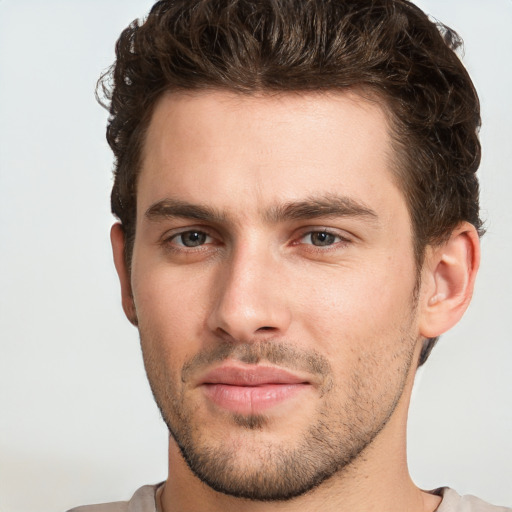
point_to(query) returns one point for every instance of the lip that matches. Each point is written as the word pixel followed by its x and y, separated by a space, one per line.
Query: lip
pixel 250 375
pixel 250 389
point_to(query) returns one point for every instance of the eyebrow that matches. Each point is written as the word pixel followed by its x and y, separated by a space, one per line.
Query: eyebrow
pixel 174 208
pixel 330 205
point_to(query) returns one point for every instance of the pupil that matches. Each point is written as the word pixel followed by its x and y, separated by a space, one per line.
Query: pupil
pixel 193 238
pixel 323 238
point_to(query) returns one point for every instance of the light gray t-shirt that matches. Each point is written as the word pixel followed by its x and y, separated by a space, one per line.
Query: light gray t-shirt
pixel 144 501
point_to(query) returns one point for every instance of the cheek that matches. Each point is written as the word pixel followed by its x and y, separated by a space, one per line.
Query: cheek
pixel 171 309
pixel 364 310
pixel 366 330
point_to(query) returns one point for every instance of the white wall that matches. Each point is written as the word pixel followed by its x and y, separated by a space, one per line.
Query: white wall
pixel 77 420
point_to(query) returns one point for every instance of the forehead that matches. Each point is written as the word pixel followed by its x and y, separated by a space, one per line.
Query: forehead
pixel 244 152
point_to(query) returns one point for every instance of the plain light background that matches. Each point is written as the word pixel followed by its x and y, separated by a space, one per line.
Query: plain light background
pixel 77 420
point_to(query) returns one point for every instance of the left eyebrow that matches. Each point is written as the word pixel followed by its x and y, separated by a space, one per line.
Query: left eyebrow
pixel 324 206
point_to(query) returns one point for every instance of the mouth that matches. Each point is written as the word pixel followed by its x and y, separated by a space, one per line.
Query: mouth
pixel 251 389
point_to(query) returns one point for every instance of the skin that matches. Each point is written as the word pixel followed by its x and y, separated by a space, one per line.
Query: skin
pixel 261 277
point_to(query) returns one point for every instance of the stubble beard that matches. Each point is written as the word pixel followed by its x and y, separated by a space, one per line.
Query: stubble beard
pixel 264 471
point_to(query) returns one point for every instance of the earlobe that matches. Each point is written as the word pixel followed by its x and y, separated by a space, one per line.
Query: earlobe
pixel 118 241
pixel 448 277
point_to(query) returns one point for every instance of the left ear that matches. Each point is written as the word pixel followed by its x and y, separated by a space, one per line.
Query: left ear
pixel 448 279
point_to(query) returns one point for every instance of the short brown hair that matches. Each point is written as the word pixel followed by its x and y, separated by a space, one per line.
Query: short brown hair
pixel 388 48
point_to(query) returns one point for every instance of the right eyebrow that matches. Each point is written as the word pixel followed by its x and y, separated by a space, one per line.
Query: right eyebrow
pixel 173 208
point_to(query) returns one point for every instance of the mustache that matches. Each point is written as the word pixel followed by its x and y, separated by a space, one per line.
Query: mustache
pixel 277 353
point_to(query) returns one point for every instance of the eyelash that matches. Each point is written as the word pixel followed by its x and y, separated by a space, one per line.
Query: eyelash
pixel 338 240
pixel 170 244
pixel 341 240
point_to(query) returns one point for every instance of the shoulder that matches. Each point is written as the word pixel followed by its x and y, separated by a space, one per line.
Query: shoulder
pixel 453 502
pixel 142 501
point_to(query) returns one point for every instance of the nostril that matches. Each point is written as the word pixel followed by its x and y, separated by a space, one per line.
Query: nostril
pixel 266 329
pixel 222 332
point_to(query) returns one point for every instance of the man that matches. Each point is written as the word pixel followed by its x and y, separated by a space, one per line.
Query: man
pixel 295 185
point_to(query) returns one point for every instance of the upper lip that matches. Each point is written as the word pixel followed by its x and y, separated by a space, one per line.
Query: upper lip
pixel 250 375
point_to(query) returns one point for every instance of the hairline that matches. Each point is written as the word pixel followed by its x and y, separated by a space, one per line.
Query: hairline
pixel 397 157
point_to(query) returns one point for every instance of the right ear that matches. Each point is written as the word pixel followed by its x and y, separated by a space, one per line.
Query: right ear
pixel 118 242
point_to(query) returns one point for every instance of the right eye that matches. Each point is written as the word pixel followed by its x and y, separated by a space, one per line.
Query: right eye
pixel 192 238
pixel 321 238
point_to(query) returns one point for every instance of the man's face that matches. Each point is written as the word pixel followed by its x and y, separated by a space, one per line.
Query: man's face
pixel 274 281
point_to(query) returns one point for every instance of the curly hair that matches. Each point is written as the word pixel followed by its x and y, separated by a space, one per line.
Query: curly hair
pixel 386 49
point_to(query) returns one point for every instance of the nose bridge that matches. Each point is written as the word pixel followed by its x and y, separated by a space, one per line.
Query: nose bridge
pixel 250 302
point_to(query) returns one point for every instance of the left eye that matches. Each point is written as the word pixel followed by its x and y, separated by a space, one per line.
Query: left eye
pixel 320 238
pixel 191 238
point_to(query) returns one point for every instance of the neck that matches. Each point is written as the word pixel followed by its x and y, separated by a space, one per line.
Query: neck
pixel 378 480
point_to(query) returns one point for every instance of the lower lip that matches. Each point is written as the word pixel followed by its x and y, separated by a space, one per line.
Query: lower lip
pixel 251 399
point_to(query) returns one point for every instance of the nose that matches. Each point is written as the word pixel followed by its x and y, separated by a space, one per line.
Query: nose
pixel 250 300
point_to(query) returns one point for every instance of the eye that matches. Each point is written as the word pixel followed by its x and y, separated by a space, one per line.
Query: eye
pixel 191 238
pixel 321 238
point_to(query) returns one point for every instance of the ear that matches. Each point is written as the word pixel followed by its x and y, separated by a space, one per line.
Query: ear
pixel 117 240
pixel 448 279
